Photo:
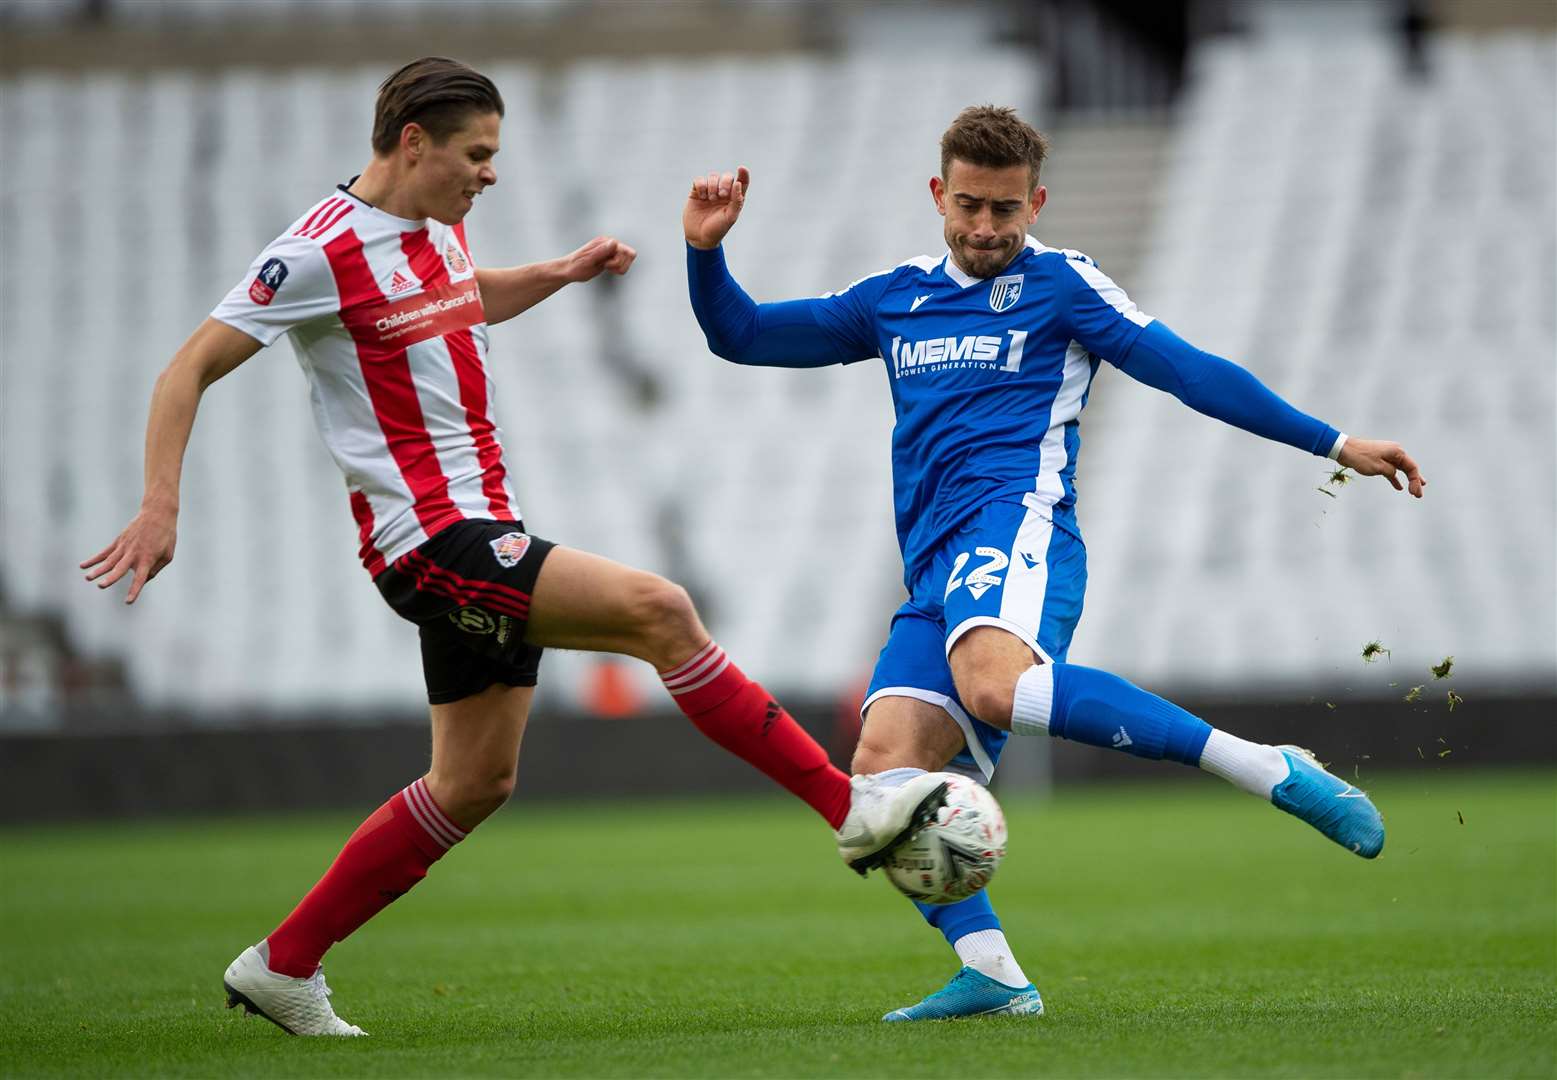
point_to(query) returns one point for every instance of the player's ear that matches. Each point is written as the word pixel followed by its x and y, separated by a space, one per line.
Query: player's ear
pixel 412 139
pixel 938 193
pixel 1040 196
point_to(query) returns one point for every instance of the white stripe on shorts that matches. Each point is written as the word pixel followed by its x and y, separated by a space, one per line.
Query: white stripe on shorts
pixel 953 710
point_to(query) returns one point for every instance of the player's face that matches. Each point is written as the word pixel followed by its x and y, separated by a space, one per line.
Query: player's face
pixel 451 174
pixel 987 212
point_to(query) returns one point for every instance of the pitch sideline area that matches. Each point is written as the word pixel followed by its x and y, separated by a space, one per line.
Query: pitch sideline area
pixel 1173 930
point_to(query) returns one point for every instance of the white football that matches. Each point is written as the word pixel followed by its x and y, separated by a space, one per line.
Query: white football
pixel 955 855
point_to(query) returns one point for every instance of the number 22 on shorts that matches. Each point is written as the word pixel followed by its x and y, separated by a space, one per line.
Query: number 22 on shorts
pixel 983 577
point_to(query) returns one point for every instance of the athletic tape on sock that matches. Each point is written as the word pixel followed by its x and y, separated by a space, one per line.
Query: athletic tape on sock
pixel 1034 701
pixel 891 778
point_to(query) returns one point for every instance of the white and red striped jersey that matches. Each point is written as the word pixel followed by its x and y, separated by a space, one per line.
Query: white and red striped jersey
pixel 387 322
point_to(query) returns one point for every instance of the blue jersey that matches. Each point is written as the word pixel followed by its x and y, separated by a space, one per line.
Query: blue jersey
pixel 988 375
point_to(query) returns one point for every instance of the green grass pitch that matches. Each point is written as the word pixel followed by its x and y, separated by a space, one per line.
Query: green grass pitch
pixel 1174 930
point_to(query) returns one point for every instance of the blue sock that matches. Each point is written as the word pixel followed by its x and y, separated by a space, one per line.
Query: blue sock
pixel 963 917
pixel 953 920
pixel 1095 707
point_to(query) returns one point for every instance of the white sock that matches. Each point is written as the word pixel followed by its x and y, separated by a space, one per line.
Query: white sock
pixel 1033 702
pixel 1253 767
pixel 987 952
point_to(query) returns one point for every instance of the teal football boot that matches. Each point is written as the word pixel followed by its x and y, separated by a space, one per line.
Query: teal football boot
pixel 972 993
pixel 1342 812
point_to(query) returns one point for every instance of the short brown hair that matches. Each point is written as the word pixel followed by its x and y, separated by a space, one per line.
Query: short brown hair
pixel 994 137
pixel 435 92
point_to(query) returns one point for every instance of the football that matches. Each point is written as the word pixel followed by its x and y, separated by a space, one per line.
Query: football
pixel 955 855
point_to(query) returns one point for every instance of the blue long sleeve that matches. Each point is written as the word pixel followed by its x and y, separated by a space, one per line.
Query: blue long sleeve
pixel 1221 389
pixel 791 334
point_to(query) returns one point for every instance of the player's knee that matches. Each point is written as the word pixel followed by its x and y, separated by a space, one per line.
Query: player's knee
pixel 990 701
pixel 665 620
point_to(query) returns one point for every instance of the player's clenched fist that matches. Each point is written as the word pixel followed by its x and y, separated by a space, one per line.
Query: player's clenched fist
pixel 600 254
pixel 713 205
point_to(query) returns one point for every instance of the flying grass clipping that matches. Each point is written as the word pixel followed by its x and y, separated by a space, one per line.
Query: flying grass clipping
pixel 1376 648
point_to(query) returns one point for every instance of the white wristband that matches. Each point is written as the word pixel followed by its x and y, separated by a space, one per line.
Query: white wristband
pixel 1335 451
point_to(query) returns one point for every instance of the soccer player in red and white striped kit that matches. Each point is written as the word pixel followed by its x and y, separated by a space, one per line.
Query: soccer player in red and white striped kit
pixel 388 314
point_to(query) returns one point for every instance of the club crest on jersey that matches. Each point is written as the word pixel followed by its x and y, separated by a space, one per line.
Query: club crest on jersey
pixel 455 258
pixel 1005 291
pixel 510 548
pixel 263 289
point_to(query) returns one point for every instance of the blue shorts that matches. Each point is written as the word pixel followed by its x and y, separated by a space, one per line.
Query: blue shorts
pixel 1008 566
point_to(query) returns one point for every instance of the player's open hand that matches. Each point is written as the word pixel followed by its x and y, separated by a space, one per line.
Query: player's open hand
pixel 1376 457
pixel 713 205
pixel 143 549
pixel 599 255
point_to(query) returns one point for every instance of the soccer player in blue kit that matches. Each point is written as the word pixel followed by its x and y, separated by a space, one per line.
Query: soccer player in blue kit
pixel 990 350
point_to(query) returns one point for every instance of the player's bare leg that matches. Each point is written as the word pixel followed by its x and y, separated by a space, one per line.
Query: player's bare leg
pixel 1005 685
pixel 474 762
pixel 904 732
pixel 475 752
pixel 583 601
pixel 903 737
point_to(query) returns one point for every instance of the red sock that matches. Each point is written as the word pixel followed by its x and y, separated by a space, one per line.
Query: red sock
pixel 740 716
pixel 389 853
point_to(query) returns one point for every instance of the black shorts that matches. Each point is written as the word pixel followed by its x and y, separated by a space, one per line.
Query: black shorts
pixel 468 589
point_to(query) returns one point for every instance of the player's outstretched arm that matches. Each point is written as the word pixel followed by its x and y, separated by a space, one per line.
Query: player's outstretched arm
pixel 1109 324
pixel 146 544
pixel 1222 389
pixel 507 291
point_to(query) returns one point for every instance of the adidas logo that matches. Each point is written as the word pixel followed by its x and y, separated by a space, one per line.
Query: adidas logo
pixel 400 283
pixel 1122 739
